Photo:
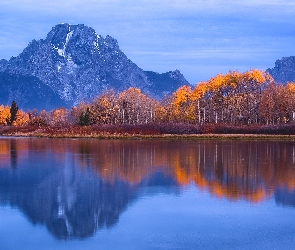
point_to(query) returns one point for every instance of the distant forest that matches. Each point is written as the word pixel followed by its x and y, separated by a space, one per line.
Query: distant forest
pixel 236 99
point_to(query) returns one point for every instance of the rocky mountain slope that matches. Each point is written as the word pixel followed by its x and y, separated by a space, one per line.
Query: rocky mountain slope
pixel 284 70
pixel 75 64
pixel 29 92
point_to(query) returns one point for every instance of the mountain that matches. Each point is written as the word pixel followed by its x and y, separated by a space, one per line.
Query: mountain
pixel 165 83
pixel 284 70
pixel 76 64
pixel 29 92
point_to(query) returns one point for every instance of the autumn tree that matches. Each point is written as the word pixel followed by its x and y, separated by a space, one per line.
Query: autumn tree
pixel 198 101
pixel 179 107
pixel 267 104
pixel 105 109
pixel 282 104
pixel 250 86
pixel 230 98
pixel 135 107
pixel 59 117
pixel 291 91
pixel 76 112
pixel 277 103
pixel 22 118
pixel 38 118
pixel 4 115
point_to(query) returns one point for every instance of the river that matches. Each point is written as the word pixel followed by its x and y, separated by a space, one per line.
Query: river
pixel 146 194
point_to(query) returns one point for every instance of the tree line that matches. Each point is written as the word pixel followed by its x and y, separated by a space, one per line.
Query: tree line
pixel 235 98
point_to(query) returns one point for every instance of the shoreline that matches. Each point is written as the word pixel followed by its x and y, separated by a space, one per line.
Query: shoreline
pixel 135 133
pixel 105 136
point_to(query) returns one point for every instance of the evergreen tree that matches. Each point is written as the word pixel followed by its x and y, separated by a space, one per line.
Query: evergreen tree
pixel 84 118
pixel 13 112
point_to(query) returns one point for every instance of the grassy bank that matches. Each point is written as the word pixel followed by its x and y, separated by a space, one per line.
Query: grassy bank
pixel 149 131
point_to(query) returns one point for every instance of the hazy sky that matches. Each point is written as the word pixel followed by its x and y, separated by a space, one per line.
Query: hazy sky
pixel 201 38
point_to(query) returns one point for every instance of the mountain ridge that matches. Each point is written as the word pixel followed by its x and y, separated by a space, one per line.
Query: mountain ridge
pixel 284 70
pixel 77 64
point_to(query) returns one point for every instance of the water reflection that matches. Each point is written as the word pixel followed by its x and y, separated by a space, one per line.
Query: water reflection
pixel 76 187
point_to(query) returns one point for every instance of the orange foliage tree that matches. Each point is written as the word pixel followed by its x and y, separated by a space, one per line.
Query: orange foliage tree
pixel 59 117
pixel 136 107
pixel 180 108
pixel 4 115
pixel 105 109
pixel 22 118
pixel 231 98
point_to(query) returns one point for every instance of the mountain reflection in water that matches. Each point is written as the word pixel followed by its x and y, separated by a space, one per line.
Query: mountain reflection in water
pixel 76 187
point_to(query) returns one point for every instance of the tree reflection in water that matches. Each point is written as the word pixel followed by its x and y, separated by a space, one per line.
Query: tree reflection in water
pixel 76 187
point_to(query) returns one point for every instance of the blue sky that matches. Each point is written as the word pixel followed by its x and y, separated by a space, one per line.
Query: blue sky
pixel 201 38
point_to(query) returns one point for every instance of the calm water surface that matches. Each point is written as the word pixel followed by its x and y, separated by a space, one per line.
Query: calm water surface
pixel 146 194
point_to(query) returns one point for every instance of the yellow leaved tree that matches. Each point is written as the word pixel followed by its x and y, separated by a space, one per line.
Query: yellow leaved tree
pixel 22 118
pixel 4 115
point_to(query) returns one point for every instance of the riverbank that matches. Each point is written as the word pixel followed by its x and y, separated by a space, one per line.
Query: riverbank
pixel 133 132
